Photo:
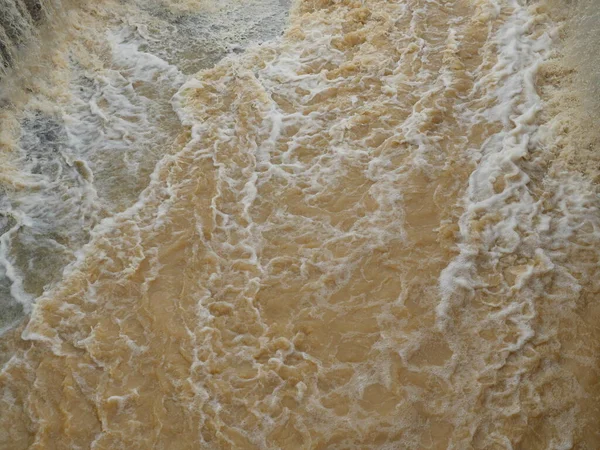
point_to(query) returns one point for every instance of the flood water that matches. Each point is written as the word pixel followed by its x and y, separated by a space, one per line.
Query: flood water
pixel 299 224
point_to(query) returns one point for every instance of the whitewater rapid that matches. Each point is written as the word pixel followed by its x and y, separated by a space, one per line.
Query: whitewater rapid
pixel 376 230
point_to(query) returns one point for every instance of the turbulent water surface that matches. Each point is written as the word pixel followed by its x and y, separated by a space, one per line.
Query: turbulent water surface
pixel 309 224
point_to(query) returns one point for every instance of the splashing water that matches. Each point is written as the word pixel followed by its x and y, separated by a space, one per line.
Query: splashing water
pixel 368 232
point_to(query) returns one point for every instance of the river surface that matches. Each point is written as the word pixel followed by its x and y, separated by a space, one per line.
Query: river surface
pixel 299 224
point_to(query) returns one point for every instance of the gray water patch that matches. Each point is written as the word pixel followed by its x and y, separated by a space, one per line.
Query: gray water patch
pixel 35 8
pixel 54 208
pixel 10 310
pixel 16 28
pixel 92 156
pixel 19 26
pixel 196 41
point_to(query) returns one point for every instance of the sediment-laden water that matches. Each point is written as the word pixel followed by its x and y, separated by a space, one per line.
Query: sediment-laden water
pixel 368 225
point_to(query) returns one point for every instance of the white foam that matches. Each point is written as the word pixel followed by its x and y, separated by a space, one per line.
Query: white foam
pixel 519 56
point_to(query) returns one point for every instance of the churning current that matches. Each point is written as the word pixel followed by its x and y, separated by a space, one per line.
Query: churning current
pixel 299 224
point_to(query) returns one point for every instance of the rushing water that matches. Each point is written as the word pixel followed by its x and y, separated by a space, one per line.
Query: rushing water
pixel 377 230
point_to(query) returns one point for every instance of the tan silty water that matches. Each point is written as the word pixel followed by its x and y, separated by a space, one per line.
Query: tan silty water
pixel 359 235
